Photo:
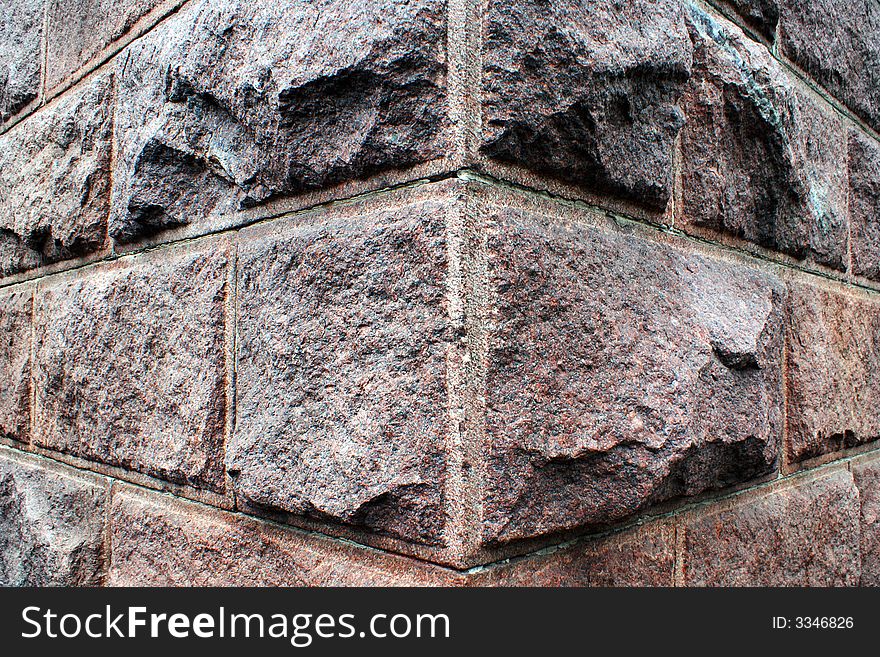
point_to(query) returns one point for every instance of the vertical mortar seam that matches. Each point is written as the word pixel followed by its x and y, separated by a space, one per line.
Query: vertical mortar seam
pixel 850 275
pixel 32 364
pixel 44 57
pixel 785 438
pixel 463 57
pixel 678 560
pixel 232 369
pixel 454 481
pixel 109 242
pixel 107 552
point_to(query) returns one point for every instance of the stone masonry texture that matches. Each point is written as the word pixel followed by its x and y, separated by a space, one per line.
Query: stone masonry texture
pixel 21 46
pixel 157 540
pixel 440 292
pixel 834 382
pixel 587 92
pixel 342 340
pixel 130 366
pixel 260 99
pixel 760 161
pixel 55 180
pixel 867 479
pixel 621 399
pixel 16 324
pixel 806 534
pixel 642 557
pixel 864 205
pixel 78 31
pixel 51 524
pixel 835 42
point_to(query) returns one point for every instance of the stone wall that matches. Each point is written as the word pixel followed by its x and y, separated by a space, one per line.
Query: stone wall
pixel 464 292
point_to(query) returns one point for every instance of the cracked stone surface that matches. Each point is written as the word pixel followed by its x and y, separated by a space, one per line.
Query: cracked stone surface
pixel 55 180
pixel 342 340
pixel 130 365
pixel 51 524
pixel 587 92
pixel 761 160
pixel 21 55
pixel 256 100
pixel 618 373
pixel 833 371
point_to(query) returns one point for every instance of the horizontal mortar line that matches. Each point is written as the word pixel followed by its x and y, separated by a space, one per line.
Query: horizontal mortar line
pixel 110 51
pixel 705 502
pixel 120 473
pixel 466 174
pixel 709 5
pixel 819 90
pixel 312 533
pixel 837 105
pixel 579 204
pixel 116 254
pixel 114 48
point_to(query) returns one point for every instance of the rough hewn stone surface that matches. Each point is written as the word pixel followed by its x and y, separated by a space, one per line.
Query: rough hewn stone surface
pixel 157 540
pixel 15 363
pixel 760 159
pixel 587 91
pixel 342 340
pixel 55 180
pixel 805 534
pixel 760 15
pixel 130 365
pixel 864 204
pixel 21 55
pixel 837 42
pixel 619 375
pixel 78 31
pixel 261 99
pixel 642 557
pixel 867 478
pixel 833 371
pixel 51 524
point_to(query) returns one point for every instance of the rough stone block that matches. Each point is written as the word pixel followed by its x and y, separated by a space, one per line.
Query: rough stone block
pixel 21 55
pixel 802 534
pixel 51 524
pixel 228 103
pixel 76 32
pixel 864 204
pixel 15 363
pixel 833 371
pixel 160 541
pixel 760 15
pixel 837 42
pixel 867 478
pixel 640 557
pixel 587 92
pixel 55 180
pixel 761 159
pixel 130 364
pixel 622 372
pixel 341 376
